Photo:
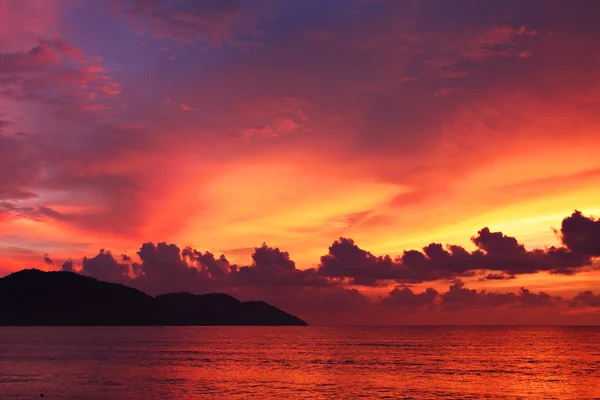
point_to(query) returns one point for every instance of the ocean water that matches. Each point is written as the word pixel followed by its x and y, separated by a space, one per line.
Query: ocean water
pixel 299 362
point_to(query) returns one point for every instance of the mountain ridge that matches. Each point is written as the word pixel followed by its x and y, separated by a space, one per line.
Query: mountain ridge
pixel 32 297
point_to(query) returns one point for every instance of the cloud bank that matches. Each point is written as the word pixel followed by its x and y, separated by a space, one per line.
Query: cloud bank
pixel 334 285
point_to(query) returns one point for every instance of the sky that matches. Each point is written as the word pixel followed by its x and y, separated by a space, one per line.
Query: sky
pixel 351 161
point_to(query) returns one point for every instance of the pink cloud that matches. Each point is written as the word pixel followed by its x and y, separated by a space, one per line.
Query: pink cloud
pixel 24 22
pixel 54 69
pixel 39 57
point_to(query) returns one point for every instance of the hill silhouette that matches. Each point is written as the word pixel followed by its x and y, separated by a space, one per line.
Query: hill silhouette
pixel 33 297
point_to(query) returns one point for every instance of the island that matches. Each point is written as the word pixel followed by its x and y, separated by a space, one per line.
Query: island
pixel 36 298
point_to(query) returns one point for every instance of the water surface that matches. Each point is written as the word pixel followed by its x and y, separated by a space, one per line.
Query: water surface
pixel 299 362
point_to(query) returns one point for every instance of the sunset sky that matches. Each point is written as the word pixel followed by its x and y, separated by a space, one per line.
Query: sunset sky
pixel 223 125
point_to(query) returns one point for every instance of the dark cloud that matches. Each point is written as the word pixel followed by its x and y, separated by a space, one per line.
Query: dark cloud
pixel 405 297
pixel 581 234
pixel 458 297
pixel 272 276
pixel 504 253
pixel 271 266
pixel 497 277
pixel 166 268
pixel 163 269
pixel 103 266
pixel 528 298
pixel 48 260
pixel 216 268
pixel 586 299
pixel 503 256
pixel 346 260
pixel 35 213
pixel 68 266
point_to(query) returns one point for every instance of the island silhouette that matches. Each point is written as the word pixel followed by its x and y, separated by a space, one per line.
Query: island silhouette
pixel 36 298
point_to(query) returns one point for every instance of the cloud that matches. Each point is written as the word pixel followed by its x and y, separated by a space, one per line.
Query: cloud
pixel 48 260
pixel 35 213
pixel 103 266
pixel 278 127
pixel 216 268
pixel 68 266
pixel 405 297
pixel 458 297
pixel 504 253
pixel 210 22
pixel 38 58
pixel 273 267
pixel 581 234
pixel 273 276
pixel 24 22
pixel 166 268
pixel 19 166
pixel 497 277
pixel 496 252
pixel 103 192
pixel 586 299
pixel 291 85
pixel 346 260
pixel 55 72
pixel 87 177
pixel 528 298
pixel 275 116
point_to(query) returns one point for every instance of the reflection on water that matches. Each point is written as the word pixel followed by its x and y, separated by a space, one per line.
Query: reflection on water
pixel 299 362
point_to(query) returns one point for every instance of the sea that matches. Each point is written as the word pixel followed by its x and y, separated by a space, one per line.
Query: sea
pixel 299 363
